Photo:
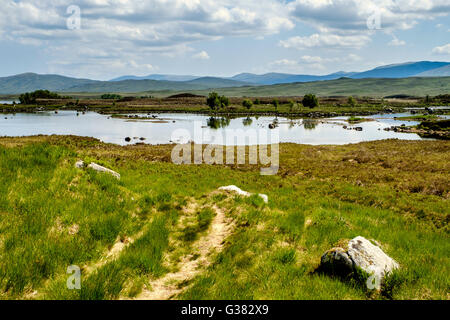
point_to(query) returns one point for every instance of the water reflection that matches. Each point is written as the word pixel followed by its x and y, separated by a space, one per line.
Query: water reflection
pixel 218 122
pixel 310 124
pixel 247 121
pixel 159 130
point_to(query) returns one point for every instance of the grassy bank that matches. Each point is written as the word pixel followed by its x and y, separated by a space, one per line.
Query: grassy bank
pixel 126 234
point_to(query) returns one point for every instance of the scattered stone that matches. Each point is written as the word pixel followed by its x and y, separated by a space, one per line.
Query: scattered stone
pixel 79 164
pixel 360 254
pixel 142 138
pixel 243 193
pixel 358 128
pixel 127 139
pixel 99 168
pixel 74 229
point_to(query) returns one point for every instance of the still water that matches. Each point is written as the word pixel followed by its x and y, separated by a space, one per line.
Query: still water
pixel 159 128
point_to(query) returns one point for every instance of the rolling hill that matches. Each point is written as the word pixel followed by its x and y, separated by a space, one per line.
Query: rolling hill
pixel 439 72
pixel 404 70
pixel 166 77
pixel 277 78
pixel 31 81
pixel 413 86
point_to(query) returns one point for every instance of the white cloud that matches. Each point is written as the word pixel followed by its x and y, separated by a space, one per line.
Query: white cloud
pixel 311 64
pixel 352 15
pixel 135 30
pixel 443 50
pixel 396 42
pixel 326 40
pixel 203 55
pixel 284 62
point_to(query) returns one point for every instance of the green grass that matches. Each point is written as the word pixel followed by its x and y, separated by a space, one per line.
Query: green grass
pixel 354 119
pixel 395 192
pixel 421 117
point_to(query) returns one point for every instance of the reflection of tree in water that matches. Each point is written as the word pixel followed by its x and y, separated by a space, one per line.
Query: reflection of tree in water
pixel 216 123
pixel 310 124
pixel 247 121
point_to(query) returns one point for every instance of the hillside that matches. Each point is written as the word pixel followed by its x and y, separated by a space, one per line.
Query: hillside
pixel 278 78
pixel 439 72
pixel 27 82
pixel 166 77
pixel 31 82
pixel 381 81
pixel 340 87
pixel 410 69
pixel 346 87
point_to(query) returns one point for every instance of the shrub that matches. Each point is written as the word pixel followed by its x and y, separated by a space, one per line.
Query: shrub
pixel 247 104
pixel 30 97
pixel 275 103
pixel 111 96
pixel 291 105
pixel 214 101
pixel 310 101
pixel 351 101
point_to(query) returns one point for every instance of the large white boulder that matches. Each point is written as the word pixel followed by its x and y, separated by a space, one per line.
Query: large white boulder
pixel 371 259
pixel 243 193
pixel 363 254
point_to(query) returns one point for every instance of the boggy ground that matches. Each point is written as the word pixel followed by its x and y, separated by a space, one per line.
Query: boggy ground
pixel 164 231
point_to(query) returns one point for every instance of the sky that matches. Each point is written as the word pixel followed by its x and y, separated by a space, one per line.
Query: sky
pixel 104 39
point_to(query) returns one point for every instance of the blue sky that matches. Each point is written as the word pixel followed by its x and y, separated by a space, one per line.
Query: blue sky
pixel 103 39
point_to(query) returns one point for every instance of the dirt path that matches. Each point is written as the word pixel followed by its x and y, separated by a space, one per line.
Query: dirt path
pixel 191 265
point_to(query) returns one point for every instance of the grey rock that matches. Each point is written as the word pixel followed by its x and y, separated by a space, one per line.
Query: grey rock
pixel 79 164
pixel 336 261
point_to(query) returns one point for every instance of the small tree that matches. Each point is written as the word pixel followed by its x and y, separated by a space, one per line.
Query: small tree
pixel 247 104
pixel 310 101
pixel 256 101
pixel 224 102
pixel 275 103
pixel 213 101
pixel 351 101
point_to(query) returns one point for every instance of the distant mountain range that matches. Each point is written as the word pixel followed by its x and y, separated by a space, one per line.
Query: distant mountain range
pixel 159 82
